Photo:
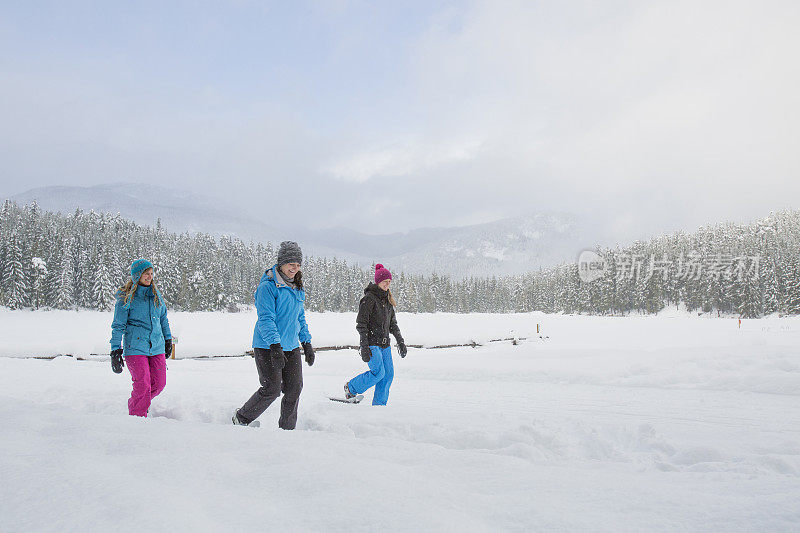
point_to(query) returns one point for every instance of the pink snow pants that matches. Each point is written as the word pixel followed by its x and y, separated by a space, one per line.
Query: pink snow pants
pixel 149 375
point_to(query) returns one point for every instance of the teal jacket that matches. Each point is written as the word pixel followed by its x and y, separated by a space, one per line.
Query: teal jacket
pixel 143 324
pixel 281 315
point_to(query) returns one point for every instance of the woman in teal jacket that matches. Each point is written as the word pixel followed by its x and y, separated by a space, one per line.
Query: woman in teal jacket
pixel 280 331
pixel 140 316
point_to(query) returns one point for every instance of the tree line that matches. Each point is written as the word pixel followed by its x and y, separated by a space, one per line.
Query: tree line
pixel 78 260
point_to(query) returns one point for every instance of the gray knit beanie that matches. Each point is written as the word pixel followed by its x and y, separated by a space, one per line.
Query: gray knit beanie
pixel 289 252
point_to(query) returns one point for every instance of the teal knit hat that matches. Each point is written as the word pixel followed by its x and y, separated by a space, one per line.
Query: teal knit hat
pixel 139 266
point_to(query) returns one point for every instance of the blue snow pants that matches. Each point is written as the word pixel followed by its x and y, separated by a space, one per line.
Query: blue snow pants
pixel 380 374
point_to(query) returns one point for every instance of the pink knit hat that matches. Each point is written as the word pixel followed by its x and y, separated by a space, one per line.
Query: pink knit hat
pixel 381 273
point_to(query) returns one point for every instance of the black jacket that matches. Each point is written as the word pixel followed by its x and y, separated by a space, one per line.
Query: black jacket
pixel 376 318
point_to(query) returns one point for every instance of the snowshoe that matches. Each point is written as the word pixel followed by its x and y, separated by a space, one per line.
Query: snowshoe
pixel 347 393
pixel 237 422
pixel 355 399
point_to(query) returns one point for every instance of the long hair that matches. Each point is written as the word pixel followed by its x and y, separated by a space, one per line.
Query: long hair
pixel 391 298
pixel 129 289
pixel 298 278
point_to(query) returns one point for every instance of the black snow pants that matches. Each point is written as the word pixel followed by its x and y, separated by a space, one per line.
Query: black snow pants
pixel 275 380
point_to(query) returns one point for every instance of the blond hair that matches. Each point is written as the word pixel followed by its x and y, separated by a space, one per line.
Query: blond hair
pixel 129 289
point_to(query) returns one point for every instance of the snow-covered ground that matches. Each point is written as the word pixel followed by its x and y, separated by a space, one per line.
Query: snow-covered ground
pixel 84 333
pixel 608 424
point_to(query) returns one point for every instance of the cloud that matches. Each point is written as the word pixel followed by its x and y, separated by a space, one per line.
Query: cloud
pixel 643 117
pixel 402 159
pixel 659 115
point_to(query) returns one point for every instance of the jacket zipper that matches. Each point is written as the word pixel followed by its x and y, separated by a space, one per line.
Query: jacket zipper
pixel 150 321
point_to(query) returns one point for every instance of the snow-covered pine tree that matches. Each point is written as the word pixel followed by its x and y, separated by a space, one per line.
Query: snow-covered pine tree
pixel 770 296
pixel 16 286
pixel 62 289
pixel 38 281
pixel 792 287
pixel 103 286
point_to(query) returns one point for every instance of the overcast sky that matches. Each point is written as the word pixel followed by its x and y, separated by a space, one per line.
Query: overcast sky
pixel 380 116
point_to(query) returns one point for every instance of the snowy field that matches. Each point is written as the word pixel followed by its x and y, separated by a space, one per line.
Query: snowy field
pixel 667 423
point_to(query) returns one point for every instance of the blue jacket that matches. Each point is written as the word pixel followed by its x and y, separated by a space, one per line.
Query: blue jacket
pixel 281 316
pixel 144 325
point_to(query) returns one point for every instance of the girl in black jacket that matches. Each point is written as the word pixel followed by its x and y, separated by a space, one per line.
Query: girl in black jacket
pixel 376 319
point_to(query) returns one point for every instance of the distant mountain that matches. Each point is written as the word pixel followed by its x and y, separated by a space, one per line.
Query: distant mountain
pixel 179 211
pixel 507 246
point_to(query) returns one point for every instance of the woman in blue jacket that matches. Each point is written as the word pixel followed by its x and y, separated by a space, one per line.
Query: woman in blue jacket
pixel 140 316
pixel 280 331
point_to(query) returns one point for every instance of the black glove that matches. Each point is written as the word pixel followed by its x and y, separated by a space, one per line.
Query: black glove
pixel 276 354
pixel 401 347
pixel 308 350
pixel 167 348
pixel 117 363
pixel 366 354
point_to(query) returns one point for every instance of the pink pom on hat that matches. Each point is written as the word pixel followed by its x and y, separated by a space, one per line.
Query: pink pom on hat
pixel 381 273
